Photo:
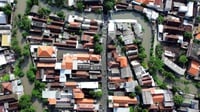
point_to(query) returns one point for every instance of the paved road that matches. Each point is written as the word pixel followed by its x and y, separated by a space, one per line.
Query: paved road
pixel 20 9
pixel 104 70
pixel 145 25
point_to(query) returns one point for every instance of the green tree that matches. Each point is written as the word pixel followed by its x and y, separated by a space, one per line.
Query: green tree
pixel 178 99
pixel 25 51
pixel 131 109
pixel 30 109
pixel 44 12
pixel 160 19
pixel 25 102
pixel 159 51
pixel 187 35
pixel 96 38
pixel 109 5
pixel 61 14
pixel 18 72
pixel 59 3
pixel 98 48
pixel 80 5
pixel 24 23
pixel 144 110
pixel 25 34
pixel 6 77
pixel 96 94
pixel 169 75
pixel 31 76
pixel 155 64
pixel 138 90
pixel 132 95
pixel 7 9
pixel 183 59
pixel 198 19
pixel 35 93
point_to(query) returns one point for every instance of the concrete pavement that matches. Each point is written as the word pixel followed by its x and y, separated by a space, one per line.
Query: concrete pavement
pixel 104 100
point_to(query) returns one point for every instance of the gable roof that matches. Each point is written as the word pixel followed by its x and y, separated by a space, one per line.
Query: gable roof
pixel 123 61
pixel 78 93
pixel 7 86
pixel 45 51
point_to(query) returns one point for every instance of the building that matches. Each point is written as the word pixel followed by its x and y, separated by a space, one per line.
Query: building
pixel 157 100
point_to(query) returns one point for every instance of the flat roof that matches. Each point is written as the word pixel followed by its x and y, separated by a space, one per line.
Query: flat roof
pixel 173 66
pixel 6 40
pixel 49 94
pixel 88 85
pixel 121 109
pixel 3 60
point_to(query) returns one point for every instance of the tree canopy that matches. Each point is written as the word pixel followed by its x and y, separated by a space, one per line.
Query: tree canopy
pixel 80 5
pixel 25 102
pixel 98 48
pixel 178 99
pixel 44 11
pixel 155 64
pixel 188 35
pixel 109 5
pixel 7 9
pixel 183 59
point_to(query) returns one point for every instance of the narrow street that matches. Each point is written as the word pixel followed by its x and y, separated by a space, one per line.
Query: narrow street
pixel 104 70
pixel 20 9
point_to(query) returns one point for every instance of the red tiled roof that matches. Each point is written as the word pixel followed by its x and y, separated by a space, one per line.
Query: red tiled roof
pixel 7 86
pixel 194 68
pixel 45 51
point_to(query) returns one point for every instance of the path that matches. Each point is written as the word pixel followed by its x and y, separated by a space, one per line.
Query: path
pixel 20 9
pixel 145 25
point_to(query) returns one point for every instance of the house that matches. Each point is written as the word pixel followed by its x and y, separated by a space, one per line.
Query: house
pixel 157 100
pixel 193 52
pixel 6 40
pixel 180 71
pixel 46 51
pixel 194 69
pixel 121 101
pixel 7 87
pixel 3 18
pixel 3 3
pixel 34 10
pixel 143 77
